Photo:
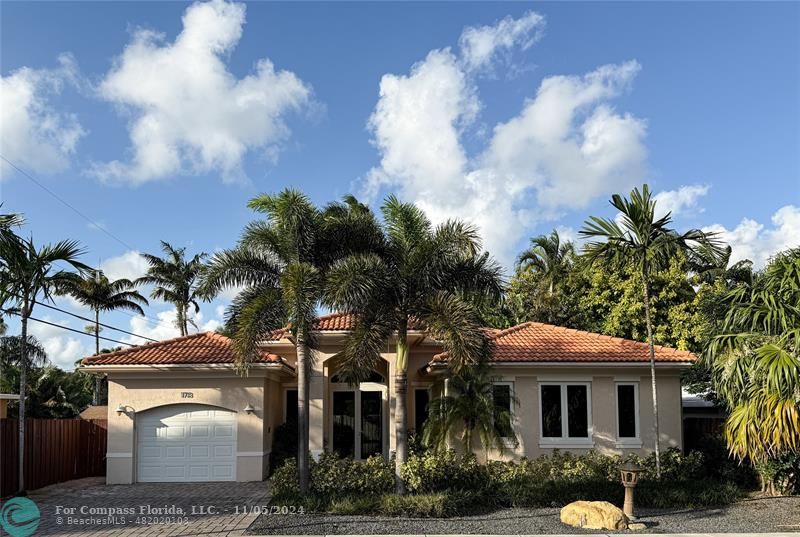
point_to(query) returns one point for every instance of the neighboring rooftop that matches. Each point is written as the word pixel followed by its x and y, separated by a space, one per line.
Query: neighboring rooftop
pixel 94 412
pixel 202 348
pixel 539 342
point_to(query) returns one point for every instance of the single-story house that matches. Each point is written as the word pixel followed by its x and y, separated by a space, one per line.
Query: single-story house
pixel 178 410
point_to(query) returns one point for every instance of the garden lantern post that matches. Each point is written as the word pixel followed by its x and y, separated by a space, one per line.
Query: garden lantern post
pixel 630 476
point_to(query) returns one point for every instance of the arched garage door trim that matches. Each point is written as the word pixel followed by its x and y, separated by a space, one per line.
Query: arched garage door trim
pixel 186 442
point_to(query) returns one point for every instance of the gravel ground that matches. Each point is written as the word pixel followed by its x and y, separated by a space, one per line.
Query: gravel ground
pixel 761 515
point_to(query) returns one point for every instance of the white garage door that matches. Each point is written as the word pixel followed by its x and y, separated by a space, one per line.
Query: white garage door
pixel 186 443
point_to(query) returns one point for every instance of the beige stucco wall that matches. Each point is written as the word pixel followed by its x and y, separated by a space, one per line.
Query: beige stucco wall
pixel 138 393
pixel 143 390
pixel 603 381
pixel 525 379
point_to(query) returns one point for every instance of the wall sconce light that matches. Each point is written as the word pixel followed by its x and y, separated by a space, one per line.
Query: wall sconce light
pixel 249 408
pixel 120 410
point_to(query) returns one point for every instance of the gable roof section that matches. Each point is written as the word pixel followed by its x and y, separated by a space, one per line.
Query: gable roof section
pixel 539 342
pixel 333 322
pixel 202 348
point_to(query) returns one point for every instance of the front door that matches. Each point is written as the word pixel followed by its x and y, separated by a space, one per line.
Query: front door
pixel 358 422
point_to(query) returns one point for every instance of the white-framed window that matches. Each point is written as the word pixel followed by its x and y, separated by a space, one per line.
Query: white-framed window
pixel 626 396
pixel 565 414
pixel 503 396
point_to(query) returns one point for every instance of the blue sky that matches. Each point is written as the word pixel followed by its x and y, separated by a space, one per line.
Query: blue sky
pixel 160 120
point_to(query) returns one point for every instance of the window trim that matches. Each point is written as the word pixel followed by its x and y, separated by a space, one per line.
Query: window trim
pixel 564 441
pixel 507 440
pixel 628 442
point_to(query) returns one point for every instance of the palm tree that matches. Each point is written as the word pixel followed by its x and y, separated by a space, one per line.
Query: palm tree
pixel 709 266
pixel 98 293
pixel 755 363
pixel 281 262
pixel 638 237
pixel 549 261
pixel 174 279
pixel 550 258
pixel 28 277
pixel 469 406
pixel 421 274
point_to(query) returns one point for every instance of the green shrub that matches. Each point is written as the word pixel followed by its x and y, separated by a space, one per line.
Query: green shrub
pixel 362 505
pixel 441 471
pixel 687 494
pixel 284 444
pixel 783 472
pixel 447 484
pixel 285 484
pixel 674 465
pixel 333 477
pixel 436 505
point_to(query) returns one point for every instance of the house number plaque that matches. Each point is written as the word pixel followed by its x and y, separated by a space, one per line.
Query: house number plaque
pixel 187 395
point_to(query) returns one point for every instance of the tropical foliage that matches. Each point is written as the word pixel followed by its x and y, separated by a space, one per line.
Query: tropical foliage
pixel 470 407
pixel 281 264
pixel 175 280
pixel 755 363
pixel 28 276
pixel 98 293
pixel 641 238
pixel 418 276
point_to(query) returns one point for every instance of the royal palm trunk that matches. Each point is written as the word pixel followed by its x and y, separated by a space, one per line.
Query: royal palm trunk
pixel 302 411
pixel 401 388
pixel 23 380
pixel 652 373
pixel 98 379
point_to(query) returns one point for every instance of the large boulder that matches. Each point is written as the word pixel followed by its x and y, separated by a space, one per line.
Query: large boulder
pixel 594 515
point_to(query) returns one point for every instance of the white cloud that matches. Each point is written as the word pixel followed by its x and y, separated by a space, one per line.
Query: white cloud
pixel 34 134
pixel 680 201
pixel 565 147
pixel 130 265
pixel 479 44
pixel 756 242
pixel 191 114
pixel 163 326
pixel 62 348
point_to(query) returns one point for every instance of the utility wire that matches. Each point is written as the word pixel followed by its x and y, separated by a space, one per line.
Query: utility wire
pixel 70 329
pixel 81 317
pixel 82 215
pixel 93 321
pixel 67 204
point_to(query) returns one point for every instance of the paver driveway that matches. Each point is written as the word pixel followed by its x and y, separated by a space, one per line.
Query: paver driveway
pixel 213 509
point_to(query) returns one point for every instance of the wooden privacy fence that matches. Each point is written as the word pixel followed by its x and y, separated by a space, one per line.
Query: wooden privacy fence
pixel 55 451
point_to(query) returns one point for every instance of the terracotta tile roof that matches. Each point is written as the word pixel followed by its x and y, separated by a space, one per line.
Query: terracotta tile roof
pixel 94 412
pixel 332 322
pixel 539 342
pixel 202 348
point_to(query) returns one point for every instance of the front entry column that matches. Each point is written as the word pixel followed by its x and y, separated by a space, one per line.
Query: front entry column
pixel 316 411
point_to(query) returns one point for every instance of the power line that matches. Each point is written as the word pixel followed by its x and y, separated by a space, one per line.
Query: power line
pixel 67 204
pixel 71 329
pixel 93 321
pixel 81 317
pixel 92 222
